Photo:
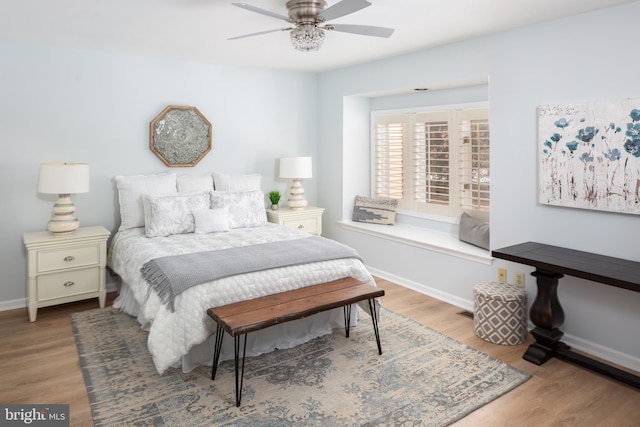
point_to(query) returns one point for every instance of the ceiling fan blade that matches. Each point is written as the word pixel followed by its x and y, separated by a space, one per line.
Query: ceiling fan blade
pixel 259 33
pixel 261 11
pixel 365 30
pixel 343 8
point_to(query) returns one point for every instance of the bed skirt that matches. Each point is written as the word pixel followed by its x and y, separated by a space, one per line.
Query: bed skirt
pixel 282 336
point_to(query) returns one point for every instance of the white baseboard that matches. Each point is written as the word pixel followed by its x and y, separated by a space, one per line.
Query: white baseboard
pixel 605 353
pixel 588 347
pixel 22 302
pixel 112 287
pixel 13 304
pixel 423 289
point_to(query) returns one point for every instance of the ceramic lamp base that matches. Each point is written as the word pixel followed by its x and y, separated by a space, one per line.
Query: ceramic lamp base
pixel 296 196
pixel 63 221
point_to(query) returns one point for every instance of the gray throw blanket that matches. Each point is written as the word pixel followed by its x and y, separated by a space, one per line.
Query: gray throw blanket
pixel 171 275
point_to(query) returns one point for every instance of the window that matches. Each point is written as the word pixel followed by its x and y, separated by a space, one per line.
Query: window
pixel 435 162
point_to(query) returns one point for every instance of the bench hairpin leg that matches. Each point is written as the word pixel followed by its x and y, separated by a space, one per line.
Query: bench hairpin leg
pixel 239 373
pixel 216 351
pixel 374 319
pixel 347 318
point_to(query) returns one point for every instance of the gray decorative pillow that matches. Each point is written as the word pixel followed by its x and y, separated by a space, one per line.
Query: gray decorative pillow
pixel 375 211
pixel 167 215
pixel 246 208
pixel 473 231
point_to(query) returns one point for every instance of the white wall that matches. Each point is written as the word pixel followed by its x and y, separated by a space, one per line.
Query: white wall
pixel 583 58
pixel 71 105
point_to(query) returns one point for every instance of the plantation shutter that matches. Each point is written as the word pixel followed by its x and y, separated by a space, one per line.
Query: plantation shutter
pixel 434 162
pixel 431 162
pixel 390 135
pixel 474 166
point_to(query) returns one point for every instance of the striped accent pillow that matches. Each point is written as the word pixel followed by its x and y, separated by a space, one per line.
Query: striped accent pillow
pixel 375 211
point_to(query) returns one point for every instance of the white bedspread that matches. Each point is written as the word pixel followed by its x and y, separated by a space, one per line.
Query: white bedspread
pixel 173 334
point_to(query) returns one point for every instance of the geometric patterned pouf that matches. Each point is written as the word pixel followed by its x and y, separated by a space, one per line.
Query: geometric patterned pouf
pixel 500 313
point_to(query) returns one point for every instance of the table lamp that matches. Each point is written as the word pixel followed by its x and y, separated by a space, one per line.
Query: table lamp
pixel 63 179
pixel 296 168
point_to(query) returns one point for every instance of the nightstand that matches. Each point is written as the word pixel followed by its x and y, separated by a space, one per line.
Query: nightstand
pixel 64 268
pixel 308 219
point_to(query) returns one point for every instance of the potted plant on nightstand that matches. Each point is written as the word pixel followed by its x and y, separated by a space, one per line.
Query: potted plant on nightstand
pixel 274 197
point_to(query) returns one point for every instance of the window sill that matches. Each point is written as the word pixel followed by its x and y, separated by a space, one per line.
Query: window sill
pixel 433 240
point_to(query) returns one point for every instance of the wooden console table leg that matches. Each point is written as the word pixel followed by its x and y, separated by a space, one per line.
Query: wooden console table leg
pixel 547 314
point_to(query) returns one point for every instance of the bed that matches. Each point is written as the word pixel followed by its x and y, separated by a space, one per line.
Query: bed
pixel 170 216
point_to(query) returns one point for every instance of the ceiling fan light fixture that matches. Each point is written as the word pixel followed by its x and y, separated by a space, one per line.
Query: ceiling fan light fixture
pixel 307 38
pixel 309 18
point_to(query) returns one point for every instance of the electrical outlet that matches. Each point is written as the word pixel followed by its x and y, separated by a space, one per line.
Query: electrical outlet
pixel 502 275
pixel 519 279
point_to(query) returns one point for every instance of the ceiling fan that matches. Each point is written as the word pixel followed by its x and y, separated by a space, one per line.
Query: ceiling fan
pixel 309 17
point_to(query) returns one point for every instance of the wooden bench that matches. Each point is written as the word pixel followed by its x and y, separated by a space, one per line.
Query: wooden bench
pixel 243 317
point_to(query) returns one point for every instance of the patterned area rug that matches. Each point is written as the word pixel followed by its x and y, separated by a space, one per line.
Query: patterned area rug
pixel 423 378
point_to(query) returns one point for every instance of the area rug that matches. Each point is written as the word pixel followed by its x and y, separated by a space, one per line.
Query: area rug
pixel 423 378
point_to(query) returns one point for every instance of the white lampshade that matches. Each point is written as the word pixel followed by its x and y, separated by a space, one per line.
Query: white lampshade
pixel 63 178
pixel 295 167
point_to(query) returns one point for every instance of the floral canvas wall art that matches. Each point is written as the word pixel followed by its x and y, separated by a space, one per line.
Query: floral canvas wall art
pixel 589 155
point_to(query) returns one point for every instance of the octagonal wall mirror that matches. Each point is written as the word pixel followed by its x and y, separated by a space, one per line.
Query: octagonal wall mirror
pixel 180 136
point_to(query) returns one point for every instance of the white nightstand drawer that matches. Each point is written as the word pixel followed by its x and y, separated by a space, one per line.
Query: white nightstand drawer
pixel 308 220
pixel 307 225
pixel 59 285
pixel 68 258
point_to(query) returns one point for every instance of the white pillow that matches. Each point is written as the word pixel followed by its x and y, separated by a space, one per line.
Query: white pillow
pixel 226 182
pixel 246 208
pixel 211 220
pixel 194 183
pixel 130 190
pixel 167 215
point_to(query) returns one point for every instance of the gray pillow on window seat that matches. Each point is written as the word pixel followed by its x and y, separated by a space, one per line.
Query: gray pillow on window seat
pixel 473 231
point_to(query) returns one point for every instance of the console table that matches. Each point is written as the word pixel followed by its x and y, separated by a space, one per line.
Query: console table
pixel 552 263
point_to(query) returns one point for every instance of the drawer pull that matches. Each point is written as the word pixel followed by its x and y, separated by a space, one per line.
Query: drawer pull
pixel 300 227
pixel 67 284
pixel 69 258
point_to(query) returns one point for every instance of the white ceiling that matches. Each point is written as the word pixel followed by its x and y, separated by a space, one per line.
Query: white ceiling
pixel 197 30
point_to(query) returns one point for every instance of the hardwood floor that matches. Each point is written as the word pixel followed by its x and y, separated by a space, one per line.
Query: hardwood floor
pixel 557 394
pixel 39 364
